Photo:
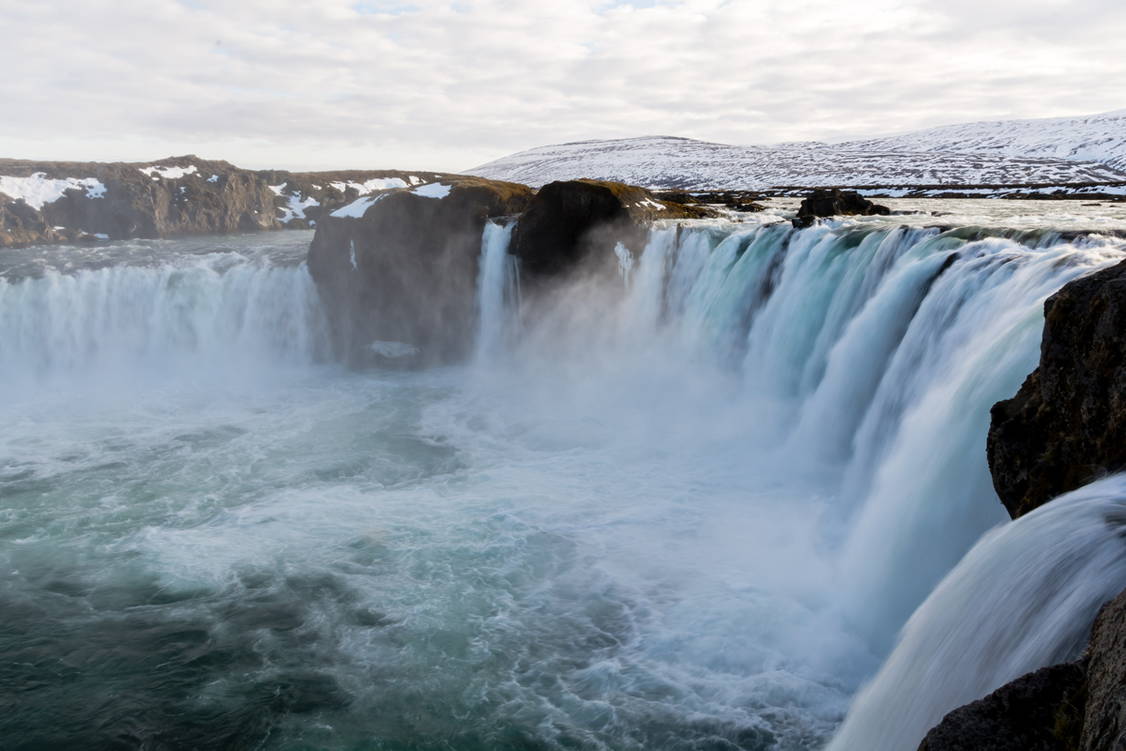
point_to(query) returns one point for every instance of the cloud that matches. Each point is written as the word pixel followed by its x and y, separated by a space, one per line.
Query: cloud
pixel 447 85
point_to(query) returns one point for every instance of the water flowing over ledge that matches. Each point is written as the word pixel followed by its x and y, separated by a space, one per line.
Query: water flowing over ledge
pixel 692 503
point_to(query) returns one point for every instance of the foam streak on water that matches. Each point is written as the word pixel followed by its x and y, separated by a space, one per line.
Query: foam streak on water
pixel 686 508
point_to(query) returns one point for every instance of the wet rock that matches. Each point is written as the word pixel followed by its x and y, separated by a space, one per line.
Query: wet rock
pixel 398 271
pixel 1077 706
pixel 572 221
pixel 835 202
pixel 1104 723
pixel 1041 711
pixel 1067 424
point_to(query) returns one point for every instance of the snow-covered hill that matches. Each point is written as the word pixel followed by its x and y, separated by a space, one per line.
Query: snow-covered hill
pixel 1056 151
pixel 1094 138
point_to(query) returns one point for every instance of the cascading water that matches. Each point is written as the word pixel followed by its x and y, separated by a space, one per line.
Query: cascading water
pixel 221 310
pixel 497 291
pixel 688 508
pixel 1024 597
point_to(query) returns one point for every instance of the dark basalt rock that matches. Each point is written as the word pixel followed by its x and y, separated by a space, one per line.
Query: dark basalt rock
pixel 572 221
pixel 1078 706
pixel 399 282
pixel 835 202
pixel 1104 723
pixel 738 200
pixel 1067 424
pixel 1041 711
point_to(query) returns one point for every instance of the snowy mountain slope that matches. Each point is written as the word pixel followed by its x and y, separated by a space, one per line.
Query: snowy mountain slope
pixel 1062 150
pixel 1094 138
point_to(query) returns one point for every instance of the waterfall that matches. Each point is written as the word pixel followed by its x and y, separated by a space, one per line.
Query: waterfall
pixel 497 290
pixel 1023 598
pixel 867 359
pixel 209 312
pixel 692 503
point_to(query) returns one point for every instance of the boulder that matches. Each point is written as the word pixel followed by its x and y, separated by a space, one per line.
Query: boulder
pixel 1067 424
pixel 835 202
pixel 1041 711
pixel 398 271
pixel 573 221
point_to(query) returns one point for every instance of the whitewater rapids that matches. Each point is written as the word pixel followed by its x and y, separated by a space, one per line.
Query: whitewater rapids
pixel 690 511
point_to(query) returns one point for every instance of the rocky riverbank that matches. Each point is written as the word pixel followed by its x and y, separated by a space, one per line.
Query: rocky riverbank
pixel 51 202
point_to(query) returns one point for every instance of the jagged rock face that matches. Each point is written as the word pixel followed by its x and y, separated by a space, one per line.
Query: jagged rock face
pixel 572 221
pixel 1067 424
pixel 399 281
pixel 835 202
pixel 1041 711
pixel 1078 706
pixel 175 196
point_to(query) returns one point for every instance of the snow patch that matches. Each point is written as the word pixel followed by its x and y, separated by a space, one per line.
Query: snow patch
pixel 38 190
pixel 157 171
pixel 213 179
pixel 357 208
pixel 296 207
pixel 376 183
pixel 433 190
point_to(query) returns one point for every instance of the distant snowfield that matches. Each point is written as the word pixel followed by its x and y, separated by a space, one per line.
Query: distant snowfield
pixel 1051 151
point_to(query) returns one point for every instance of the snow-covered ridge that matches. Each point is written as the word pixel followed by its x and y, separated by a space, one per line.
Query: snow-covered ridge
pixel 1022 152
pixel 1094 138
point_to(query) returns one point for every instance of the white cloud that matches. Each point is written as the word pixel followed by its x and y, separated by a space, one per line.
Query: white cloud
pixel 446 85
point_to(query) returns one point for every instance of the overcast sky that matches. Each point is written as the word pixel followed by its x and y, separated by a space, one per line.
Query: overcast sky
pixel 308 84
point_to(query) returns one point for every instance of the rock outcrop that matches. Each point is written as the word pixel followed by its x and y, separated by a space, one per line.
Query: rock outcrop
pixel 1078 706
pixel 1041 711
pixel 1067 424
pixel 1104 718
pixel 397 271
pixel 835 202
pixel 45 202
pixel 572 221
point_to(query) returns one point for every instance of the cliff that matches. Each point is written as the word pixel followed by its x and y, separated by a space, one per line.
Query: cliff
pixel 1066 426
pixel 49 202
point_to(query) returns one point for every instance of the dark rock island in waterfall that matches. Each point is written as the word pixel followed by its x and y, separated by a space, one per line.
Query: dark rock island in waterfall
pixel 398 270
pixel 45 202
pixel 835 202
pixel 573 220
